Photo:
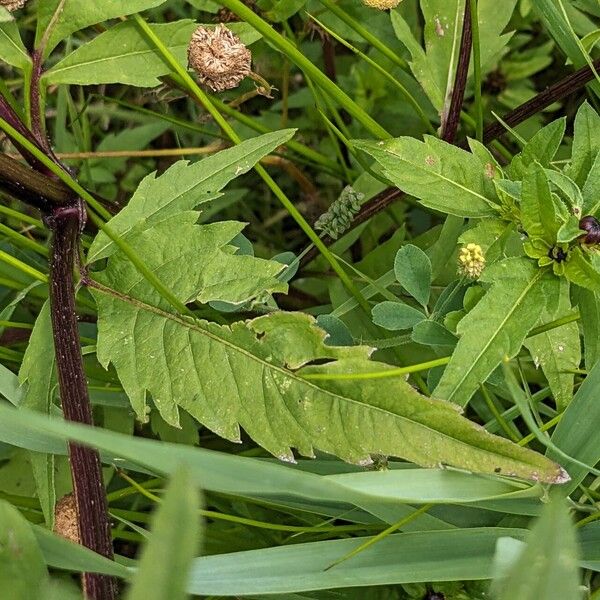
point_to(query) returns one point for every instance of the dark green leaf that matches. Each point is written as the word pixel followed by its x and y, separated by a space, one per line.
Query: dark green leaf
pixel 396 316
pixel 412 268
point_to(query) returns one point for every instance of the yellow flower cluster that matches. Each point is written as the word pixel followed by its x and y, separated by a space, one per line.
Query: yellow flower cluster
pixel 471 261
pixel 381 4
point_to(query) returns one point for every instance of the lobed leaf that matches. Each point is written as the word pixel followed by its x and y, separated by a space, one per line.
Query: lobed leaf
pixel 254 375
pixel 183 187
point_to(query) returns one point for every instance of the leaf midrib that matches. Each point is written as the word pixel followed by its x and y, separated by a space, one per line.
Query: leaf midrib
pixel 440 176
pixel 492 338
pixel 289 374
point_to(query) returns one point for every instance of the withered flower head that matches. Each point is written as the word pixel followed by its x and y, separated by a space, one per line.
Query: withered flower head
pixel 381 4
pixel 13 4
pixel 219 58
pixel 65 518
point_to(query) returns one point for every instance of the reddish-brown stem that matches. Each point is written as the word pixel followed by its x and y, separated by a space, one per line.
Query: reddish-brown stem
pixel 86 469
pixel 450 123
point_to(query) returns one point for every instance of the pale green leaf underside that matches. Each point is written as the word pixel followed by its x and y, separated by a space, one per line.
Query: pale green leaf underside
pixel 250 375
pixel 494 329
pixel 183 187
pixel 442 176
pixel 123 54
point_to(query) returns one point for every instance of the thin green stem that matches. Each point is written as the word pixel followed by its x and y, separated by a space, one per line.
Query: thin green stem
pixel 23 267
pixel 405 93
pixel 380 536
pixel 498 416
pixel 211 514
pixel 304 63
pixel 21 240
pixel 203 98
pixel 94 205
pixel 367 35
pixel 379 374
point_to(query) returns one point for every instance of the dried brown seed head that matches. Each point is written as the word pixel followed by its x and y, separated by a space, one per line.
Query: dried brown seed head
pixel 381 4
pixel 65 519
pixel 13 4
pixel 219 58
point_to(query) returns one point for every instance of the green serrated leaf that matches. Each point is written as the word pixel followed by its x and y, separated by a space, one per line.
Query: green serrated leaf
pixel 167 557
pixel 23 574
pixel 255 374
pixel 396 316
pixel 443 177
pixel 558 351
pixel 38 376
pixel 413 271
pixel 495 328
pixel 183 187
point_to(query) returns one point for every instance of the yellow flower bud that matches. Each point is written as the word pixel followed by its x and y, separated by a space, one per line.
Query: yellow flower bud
pixel 471 261
pixel 381 4
pixel 219 58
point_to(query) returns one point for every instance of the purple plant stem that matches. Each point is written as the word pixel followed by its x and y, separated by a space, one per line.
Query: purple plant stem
pixel 450 124
pixel 560 90
pixel 86 470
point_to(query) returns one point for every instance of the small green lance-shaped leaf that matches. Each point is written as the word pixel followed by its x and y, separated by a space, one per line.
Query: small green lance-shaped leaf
pixel 441 176
pixel 496 327
pixel 586 144
pixel 23 574
pixel 396 316
pixel 538 214
pixel 540 148
pixel 38 376
pixel 57 19
pixel 589 307
pixel 258 375
pixel 579 269
pixel 12 49
pixel 167 558
pixel 558 351
pixel 123 55
pixel 547 567
pixel 183 187
pixel 412 268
